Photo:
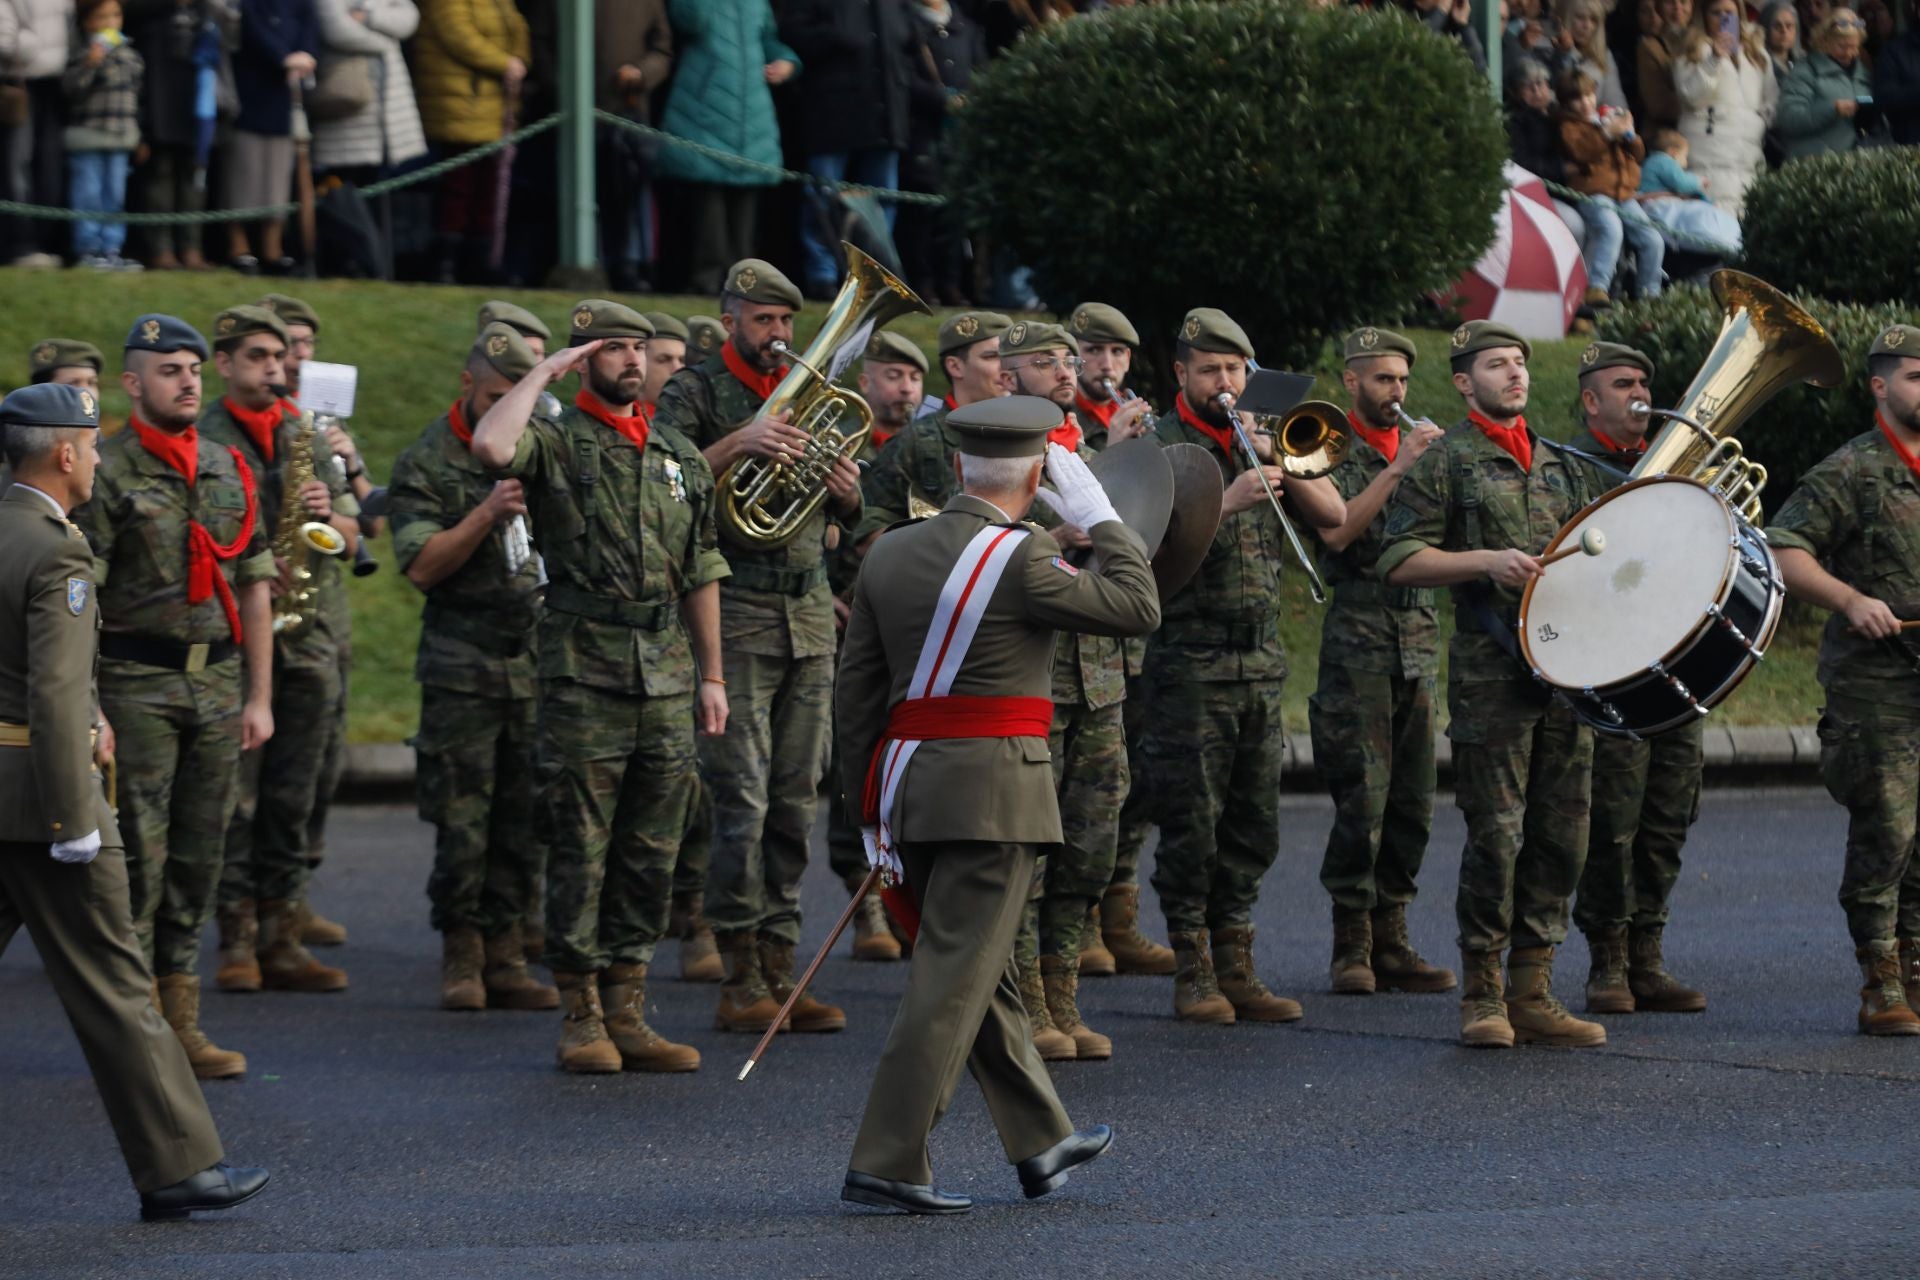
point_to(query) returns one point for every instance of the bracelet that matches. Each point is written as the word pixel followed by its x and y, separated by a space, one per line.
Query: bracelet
pixel 713 680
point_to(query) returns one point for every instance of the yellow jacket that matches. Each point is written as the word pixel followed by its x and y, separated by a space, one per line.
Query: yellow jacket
pixel 459 56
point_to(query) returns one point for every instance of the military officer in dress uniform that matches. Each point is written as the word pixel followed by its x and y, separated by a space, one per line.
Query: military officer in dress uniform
pixel 1372 714
pixel 1473 516
pixel 68 361
pixel 62 873
pixel 1645 794
pixel 922 775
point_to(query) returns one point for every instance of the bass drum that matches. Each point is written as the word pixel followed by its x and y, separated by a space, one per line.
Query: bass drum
pixel 1665 621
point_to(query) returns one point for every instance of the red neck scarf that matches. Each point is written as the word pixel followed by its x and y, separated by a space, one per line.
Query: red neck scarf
pixel 1514 439
pixel 761 384
pixel 950 403
pixel 879 438
pixel 178 449
pixel 1385 439
pixel 1906 454
pixel 1066 435
pixel 457 419
pixel 182 453
pixel 1100 413
pixel 632 424
pixel 259 424
pixel 1611 445
pixel 1222 436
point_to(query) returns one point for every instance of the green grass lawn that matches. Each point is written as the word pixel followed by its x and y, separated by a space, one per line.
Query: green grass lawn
pixel 409 342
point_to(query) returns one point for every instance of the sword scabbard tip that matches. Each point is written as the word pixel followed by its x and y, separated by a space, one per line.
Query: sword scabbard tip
pixel 746 1069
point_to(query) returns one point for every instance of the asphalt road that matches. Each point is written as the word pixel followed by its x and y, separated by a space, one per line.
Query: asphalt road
pixel 1762 1137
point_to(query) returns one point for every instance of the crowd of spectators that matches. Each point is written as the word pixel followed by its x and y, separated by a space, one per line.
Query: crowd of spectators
pixel 1653 121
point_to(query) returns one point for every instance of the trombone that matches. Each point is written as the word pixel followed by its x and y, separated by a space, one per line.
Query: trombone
pixel 1225 400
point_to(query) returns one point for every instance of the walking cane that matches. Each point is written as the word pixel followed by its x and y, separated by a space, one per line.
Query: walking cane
pixel 303 181
pixel 800 987
pixel 503 183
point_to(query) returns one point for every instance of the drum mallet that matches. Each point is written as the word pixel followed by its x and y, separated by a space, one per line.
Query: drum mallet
pixel 1592 542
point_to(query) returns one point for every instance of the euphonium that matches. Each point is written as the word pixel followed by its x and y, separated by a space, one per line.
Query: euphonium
pixel 765 503
pixel 1766 344
pixel 297 540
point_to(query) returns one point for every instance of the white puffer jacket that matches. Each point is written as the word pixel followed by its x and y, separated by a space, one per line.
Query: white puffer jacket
pixel 1725 109
pixel 355 140
pixel 33 37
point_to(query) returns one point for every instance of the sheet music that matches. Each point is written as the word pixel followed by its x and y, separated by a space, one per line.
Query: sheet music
pixel 328 388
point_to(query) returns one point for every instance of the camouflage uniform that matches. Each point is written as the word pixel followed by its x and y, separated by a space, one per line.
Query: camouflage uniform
pixel 776 618
pixel 1521 761
pixel 1858 513
pixel 178 725
pixel 918 462
pixel 1372 714
pixel 338 609
pixel 478 697
pixel 1089 749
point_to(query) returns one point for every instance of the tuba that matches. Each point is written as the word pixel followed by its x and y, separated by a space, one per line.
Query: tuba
pixel 297 540
pixel 764 503
pixel 1766 344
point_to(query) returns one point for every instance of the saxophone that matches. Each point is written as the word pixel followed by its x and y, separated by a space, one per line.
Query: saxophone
pixel 296 540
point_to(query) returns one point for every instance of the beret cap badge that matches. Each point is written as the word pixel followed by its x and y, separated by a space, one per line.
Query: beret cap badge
pixel 583 318
pixel 150 332
pixel 966 326
pixel 1461 336
pixel 497 345
pixel 745 279
pixel 1591 354
pixel 1369 338
pixel 1191 329
pixel 1081 320
pixel 1894 337
pixel 44 353
pixel 86 402
pixel 1017 334
pixel 227 324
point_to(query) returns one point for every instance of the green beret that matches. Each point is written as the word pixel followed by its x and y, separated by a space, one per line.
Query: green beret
pixel 759 281
pixel 165 333
pixel 1098 322
pixel 666 326
pixel 1366 342
pixel 705 334
pixel 291 310
pixel 1005 426
pixel 1027 336
pixel 524 321
pixel 50 404
pixel 1897 340
pixel 501 346
pixel 597 318
pixel 891 348
pixel 63 353
pixel 236 323
pixel 970 327
pixel 1611 355
pixel 1478 335
pixel 1211 329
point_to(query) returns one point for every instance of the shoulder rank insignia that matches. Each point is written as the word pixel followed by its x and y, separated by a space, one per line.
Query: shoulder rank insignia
pixel 77 590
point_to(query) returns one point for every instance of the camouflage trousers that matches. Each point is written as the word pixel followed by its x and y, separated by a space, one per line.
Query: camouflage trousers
pixel 617 779
pixel 475 782
pixel 266 857
pixel 1870 759
pixel 1212 751
pixel 1521 782
pixel 179 771
pixel 764 777
pixel 691 866
pixel 1089 751
pixel 1373 745
pixel 333 767
pixel 1136 813
pixel 1645 796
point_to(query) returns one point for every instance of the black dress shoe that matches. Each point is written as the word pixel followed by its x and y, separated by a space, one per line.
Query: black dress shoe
pixel 1048 1170
pixel 908 1197
pixel 220 1187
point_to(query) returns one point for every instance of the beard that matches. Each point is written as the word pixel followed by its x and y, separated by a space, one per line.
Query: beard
pixel 622 389
pixel 1493 403
pixel 1375 413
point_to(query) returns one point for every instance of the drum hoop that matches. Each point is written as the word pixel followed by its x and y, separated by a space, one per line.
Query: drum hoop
pixel 1686 642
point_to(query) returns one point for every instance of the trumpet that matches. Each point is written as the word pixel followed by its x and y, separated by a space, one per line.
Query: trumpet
pixel 1225 401
pixel 1407 421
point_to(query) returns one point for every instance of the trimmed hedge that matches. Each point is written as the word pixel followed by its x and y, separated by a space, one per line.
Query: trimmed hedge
pixel 1798 427
pixel 1843 226
pixel 1304 169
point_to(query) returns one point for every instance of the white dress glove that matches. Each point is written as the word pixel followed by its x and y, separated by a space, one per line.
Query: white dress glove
pixel 76 851
pixel 891 872
pixel 1076 495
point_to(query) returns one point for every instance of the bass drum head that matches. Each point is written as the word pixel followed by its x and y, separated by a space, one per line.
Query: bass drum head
pixel 1594 621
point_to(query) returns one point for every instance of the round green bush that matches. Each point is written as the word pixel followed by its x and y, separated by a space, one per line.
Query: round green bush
pixel 1304 169
pixel 1845 226
pixel 1798 427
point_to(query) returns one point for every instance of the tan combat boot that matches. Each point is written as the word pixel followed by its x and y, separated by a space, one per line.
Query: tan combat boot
pixel 623 997
pixel 699 953
pixel 1396 965
pixel 1096 958
pixel 1536 1013
pixel 584 1046
pixel 1060 978
pixel 1133 951
pixel 285 963
pixel 1351 970
pixel 809 1015
pixel 239 937
pixel 1910 969
pixel 1483 1002
pixel 180 1003
pixel 745 1002
pixel 318 931
pixel 509 984
pixel 872 939
pixel 1607 988
pixel 1240 981
pixel 1884 1010
pixel 463 988
pixel 1052 1044
pixel 1654 989
pixel 1196 991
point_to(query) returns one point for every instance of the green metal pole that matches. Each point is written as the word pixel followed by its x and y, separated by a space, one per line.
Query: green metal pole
pixel 1492 35
pixel 579 212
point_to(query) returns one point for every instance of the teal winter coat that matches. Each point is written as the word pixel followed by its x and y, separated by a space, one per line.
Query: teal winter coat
pixel 720 95
pixel 1806 122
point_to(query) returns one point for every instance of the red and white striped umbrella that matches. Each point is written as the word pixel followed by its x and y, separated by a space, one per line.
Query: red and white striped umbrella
pixel 1531 276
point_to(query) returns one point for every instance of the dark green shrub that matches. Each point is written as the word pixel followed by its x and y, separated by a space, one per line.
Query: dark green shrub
pixel 1845 227
pixel 1304 169
pixel 1796 428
